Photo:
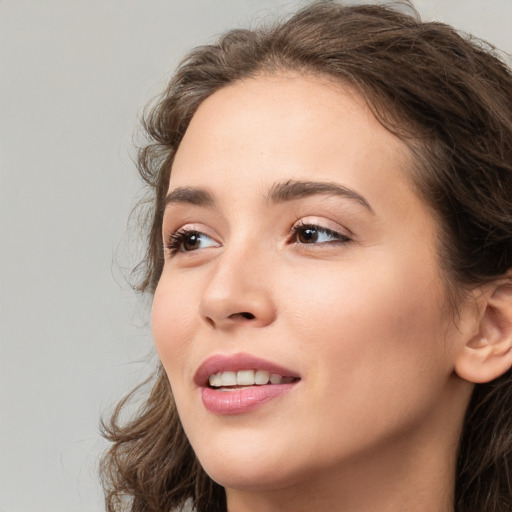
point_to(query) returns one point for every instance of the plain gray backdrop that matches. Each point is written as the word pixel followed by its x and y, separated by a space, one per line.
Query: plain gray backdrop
pixel 74 77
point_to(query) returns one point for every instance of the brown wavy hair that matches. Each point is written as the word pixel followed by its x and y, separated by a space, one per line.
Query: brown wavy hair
pixel 449 97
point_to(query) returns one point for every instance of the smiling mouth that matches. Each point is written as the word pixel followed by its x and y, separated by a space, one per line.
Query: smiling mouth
pixel 231 380
pixel 232 384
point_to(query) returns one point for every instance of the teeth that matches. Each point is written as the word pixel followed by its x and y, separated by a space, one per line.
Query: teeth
pixel 247 378
pixel 228 378
pixel 261 377
pixel 216 380
pixel 275 379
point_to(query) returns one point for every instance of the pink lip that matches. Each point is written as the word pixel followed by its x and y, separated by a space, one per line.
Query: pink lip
pixel 239 400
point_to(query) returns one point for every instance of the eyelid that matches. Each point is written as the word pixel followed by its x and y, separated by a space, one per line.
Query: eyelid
pixel 181 216
pixel 191 226
pixel 171 237
pixel 323 223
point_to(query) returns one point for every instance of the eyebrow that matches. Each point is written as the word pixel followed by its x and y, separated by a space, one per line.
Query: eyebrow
pixel 279 193
pixel 190 195
pixel 291 190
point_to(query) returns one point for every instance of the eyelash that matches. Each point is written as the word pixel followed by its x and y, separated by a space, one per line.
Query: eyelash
pixel 339 238
pixel 175 240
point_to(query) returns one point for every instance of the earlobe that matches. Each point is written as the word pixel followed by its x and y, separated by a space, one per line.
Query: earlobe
pixel 488 354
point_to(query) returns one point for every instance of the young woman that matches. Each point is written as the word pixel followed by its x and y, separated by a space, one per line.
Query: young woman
pixel 330 255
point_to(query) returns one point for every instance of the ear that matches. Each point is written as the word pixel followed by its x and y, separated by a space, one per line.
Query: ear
pixel 488 354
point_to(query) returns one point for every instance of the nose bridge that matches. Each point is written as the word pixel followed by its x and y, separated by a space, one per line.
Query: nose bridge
pixel 239 289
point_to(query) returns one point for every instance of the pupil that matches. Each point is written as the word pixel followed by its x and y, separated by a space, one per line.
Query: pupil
pixel 309 235
pixel 191 241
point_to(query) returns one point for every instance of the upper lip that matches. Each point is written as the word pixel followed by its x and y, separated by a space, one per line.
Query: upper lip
pixel 236 362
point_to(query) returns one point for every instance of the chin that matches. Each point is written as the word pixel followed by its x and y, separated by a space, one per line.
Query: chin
pixel 250 479
pixel 248 469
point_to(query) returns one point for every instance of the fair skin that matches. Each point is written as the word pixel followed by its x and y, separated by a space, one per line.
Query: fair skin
pixel 341 287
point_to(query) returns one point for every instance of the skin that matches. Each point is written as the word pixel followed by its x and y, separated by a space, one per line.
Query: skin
pixel 374 422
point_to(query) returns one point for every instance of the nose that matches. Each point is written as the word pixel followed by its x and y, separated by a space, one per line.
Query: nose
pixel 238 291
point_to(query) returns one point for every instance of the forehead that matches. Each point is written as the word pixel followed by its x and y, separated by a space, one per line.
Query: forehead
pixel 315 113
pixel 274 128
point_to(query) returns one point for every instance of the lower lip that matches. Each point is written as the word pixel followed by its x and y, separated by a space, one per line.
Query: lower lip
pixel 241 400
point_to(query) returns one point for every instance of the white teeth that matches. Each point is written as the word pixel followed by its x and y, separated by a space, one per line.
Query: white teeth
pixel 275 379
pixel 247 378
pixel 228 379
pixel 261 377
pixel 216 380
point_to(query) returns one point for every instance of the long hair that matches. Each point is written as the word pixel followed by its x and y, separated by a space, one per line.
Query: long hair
pixel 449 97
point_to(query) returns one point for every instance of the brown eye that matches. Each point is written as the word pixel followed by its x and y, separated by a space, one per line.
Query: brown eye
pixel 307 235
pixel 191 241
pixel 318 235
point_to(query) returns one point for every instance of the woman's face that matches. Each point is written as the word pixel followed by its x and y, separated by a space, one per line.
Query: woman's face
pixel 296 246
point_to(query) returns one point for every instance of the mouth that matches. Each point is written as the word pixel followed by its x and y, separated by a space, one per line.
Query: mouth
pixel 238 383
pixel 229 380
pixel 241 370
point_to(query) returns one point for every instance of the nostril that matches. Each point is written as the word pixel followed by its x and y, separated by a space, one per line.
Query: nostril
pixel 246 315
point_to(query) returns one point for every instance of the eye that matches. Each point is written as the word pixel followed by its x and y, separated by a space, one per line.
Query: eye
pixel 187 240
pixel 315 234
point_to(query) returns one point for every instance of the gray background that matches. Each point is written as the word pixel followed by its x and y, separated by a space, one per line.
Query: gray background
pixel 74 76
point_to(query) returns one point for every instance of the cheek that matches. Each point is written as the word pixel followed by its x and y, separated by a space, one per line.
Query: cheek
pixel 373 346
pixel 366 323
pixel 173 319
